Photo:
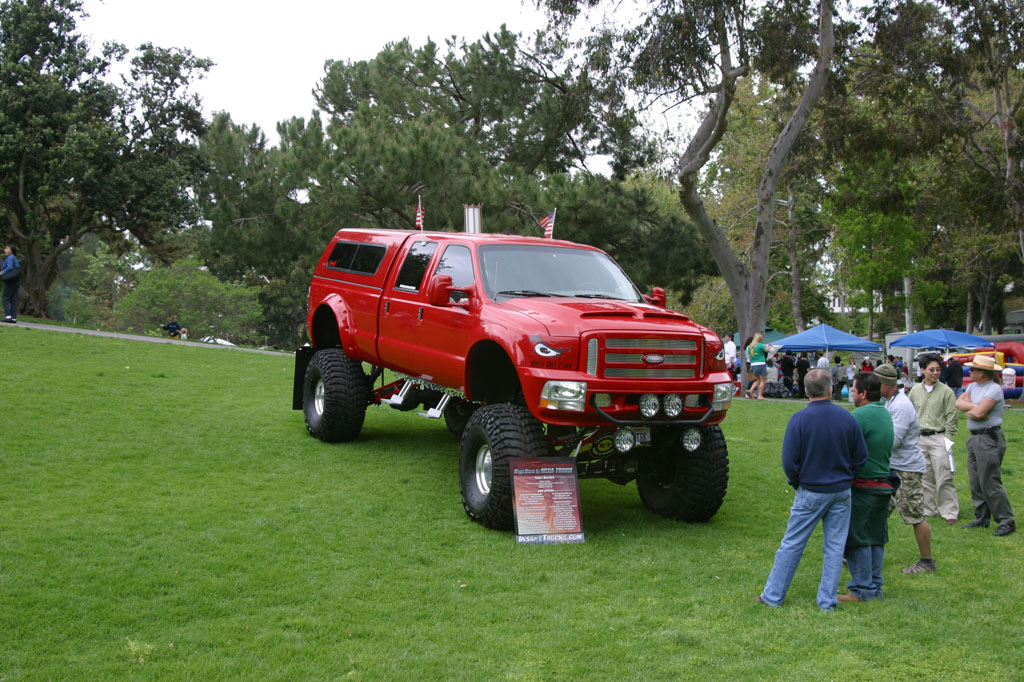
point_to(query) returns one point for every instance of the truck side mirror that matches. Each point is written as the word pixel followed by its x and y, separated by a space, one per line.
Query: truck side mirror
pixel 438 290
pixel 657 297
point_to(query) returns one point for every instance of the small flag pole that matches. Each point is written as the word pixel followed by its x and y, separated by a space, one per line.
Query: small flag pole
pixel 548 223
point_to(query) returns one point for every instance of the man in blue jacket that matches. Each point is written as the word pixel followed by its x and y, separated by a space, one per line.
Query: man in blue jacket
pixel 10 274
pixel 821 452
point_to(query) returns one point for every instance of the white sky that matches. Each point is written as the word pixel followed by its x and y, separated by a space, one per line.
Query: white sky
pixel 270 55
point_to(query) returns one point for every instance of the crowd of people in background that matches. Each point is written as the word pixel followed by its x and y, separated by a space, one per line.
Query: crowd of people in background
pixel 782 375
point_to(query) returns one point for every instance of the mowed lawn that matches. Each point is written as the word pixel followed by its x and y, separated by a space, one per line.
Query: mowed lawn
pixel 165 516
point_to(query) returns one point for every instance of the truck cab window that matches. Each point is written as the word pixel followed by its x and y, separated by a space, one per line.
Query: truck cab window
pixel 457 261
pixel 410 277
pixel 356 257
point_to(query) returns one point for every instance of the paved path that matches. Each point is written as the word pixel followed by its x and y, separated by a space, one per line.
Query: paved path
pixel 135 337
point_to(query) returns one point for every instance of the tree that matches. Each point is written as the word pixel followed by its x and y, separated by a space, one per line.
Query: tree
pixel 699 49
pixel 966 58
pixel 79 155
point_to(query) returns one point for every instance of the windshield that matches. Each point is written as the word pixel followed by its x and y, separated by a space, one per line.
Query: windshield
pixel 510 271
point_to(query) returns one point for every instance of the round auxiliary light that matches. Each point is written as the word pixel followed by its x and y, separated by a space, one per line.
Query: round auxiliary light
pixel 673 405
pixel 691 439
pixel 649 405
pixel 625 439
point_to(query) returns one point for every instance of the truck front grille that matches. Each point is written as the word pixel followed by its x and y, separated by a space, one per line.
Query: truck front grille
pixel 643 358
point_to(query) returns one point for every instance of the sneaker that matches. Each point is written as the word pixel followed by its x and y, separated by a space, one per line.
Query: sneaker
pixel 1005 528
pixel 920 567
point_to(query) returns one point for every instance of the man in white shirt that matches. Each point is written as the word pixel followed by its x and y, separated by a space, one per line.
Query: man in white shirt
pixel 908 462
pixel 822 361
pixel 730 352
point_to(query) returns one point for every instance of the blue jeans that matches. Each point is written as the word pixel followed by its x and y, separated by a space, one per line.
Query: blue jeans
pixel 833 510
pixel 865 566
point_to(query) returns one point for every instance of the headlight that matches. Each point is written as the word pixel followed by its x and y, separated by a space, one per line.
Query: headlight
pixel 564 395
pixel 673 405
pixel 649 405
pixel 722 396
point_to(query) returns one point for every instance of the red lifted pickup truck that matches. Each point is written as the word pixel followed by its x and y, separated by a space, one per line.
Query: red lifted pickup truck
pixel 526 347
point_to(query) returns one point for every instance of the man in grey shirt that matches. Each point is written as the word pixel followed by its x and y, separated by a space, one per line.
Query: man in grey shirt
pixel 909 464
pixel 983 403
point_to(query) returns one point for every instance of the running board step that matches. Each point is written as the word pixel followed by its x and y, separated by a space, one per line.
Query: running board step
pixel 438 410
pixel 397 399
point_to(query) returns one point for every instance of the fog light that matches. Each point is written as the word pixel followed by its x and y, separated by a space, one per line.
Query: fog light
pixel 649 405
pixel 673 405
pixel 603 400
pixel 624 440
pixel 564 395
pixel 691 439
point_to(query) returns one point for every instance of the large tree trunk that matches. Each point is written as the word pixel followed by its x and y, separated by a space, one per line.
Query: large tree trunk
pixel 748 281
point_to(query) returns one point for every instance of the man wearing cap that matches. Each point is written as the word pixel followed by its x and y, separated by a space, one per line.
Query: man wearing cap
pixel 935 403
pixel 870 493
pixel 909 464
pixel 983 404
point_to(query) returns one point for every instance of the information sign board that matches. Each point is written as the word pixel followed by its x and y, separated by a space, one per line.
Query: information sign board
pixel 546 500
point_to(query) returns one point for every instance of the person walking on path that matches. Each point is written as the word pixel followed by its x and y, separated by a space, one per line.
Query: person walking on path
pixel 757 357
pixel 822 450
pixel 871 492
pixel 10 274
pixel 935 403
pixel 909 464
pixel 983 404
pixel 173 328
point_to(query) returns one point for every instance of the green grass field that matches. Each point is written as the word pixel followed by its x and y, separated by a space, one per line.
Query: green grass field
pixel 165 516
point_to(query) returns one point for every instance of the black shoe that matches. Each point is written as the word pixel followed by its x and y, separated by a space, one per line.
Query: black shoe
pixel 976 523
pixel 1005 528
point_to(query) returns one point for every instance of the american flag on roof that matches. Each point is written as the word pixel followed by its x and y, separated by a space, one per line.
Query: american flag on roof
pixel 548 223
pixel 419 213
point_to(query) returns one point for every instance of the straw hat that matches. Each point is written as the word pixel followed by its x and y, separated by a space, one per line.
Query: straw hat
pixel 985 362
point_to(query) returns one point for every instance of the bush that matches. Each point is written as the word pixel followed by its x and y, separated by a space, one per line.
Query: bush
pixel 204 305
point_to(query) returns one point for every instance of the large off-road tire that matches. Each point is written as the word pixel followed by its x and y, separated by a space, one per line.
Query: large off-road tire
pixel 689 486
pixel 495 433
pixel 334 396
pixel 457 414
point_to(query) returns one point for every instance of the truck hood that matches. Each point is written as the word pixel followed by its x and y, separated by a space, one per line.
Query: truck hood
pixel 570 317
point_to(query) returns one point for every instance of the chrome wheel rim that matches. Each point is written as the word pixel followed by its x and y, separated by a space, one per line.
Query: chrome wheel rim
pixel 484 469
pixel 318 398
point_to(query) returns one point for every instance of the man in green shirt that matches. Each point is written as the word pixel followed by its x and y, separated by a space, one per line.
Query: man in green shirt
pixel 935 403
pixel 869 529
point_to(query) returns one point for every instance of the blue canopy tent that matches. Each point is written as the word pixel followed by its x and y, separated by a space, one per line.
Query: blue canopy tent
pixel 941 338
pixel 827 338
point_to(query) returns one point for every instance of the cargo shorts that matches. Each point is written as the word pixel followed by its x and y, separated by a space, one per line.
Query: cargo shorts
pixel 909 497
